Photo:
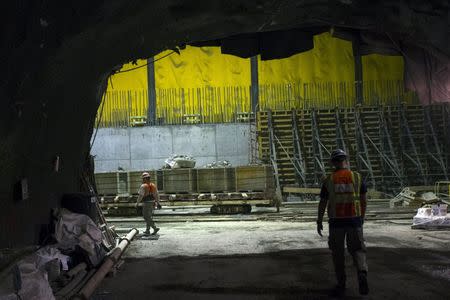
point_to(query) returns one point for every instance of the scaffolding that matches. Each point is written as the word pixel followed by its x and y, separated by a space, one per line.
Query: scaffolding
pixel 391 146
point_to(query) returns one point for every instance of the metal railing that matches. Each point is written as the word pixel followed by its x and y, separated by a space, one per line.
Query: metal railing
pixel 229 104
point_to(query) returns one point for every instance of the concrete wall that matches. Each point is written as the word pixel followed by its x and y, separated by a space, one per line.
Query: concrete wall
pixel 145 148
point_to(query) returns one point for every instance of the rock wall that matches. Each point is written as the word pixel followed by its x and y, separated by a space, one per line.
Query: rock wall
pixel 56 57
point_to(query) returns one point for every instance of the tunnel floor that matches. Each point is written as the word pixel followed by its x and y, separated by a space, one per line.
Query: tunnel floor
pixel 403 263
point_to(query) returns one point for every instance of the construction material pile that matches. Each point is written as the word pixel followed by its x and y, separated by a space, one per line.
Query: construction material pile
pixel 75 247
pixel 409 198
pixel 218 164
pixel 179 161
pixel 432 217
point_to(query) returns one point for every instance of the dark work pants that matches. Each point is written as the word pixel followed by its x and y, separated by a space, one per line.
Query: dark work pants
pixel 355 245
pixel 147 211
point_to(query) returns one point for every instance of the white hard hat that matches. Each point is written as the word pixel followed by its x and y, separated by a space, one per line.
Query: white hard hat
pixel 145 175
pixel 338 155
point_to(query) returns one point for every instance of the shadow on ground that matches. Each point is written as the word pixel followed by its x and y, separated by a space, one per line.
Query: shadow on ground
pixel 394 273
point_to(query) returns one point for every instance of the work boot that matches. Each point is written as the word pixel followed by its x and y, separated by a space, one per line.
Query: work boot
pixel 155 231
pixel 147 232
pixel 338 291
pixel 362 282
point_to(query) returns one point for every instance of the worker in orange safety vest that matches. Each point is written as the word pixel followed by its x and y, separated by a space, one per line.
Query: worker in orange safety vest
pixel 343 195
pixel 148 194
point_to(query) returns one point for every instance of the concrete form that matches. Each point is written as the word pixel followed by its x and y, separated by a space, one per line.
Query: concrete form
pixel 144 148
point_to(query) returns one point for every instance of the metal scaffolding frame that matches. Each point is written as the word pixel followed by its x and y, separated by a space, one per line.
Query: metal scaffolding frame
pixel 299 164
pixel 273 150
pixel 407 137
pixel 317 145
pixel 387 151
pixel 253 140
pixel 430 132
pixel 446 122
pixel 340 137
pixel 362 156
pixel 392 146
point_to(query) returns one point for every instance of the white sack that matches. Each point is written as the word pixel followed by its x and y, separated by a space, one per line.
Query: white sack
pixel 77 229
pixel 48 253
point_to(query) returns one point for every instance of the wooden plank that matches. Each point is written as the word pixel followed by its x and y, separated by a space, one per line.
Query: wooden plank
pixel 300 190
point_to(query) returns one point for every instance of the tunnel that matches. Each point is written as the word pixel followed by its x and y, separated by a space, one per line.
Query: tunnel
pixel 58 58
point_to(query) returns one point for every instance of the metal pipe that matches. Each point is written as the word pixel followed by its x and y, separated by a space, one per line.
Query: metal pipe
pixel 78 286
pixel 104 269
pixel 72 284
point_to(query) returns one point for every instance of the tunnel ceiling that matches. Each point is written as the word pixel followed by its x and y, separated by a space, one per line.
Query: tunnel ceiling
pixel 34 34
pixel 56 57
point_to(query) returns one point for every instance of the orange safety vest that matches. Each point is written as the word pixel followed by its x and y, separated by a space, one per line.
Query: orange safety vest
pixel 150 188
pixel 343 188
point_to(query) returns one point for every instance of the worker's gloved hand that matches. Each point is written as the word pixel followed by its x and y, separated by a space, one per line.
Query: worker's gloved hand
pixel 136 204
pixel 319 227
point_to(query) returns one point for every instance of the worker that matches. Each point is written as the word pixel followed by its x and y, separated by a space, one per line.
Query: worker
pixel 343 194
pixel 148 194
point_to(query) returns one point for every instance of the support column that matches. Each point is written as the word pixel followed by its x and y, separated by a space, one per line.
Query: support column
pixel 254 83
pixel 151 110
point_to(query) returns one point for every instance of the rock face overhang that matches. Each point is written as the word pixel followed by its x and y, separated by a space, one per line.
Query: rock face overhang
pixel 56 57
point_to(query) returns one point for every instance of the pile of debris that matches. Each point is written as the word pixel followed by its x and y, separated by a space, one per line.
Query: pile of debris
pixel 218 164
pixel 432 217
pixel 432 211
pixel 71 260
pixel 409 198
pixel 179 161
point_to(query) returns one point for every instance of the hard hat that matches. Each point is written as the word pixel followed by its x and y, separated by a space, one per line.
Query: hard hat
pixel 145 175
pixel 338 154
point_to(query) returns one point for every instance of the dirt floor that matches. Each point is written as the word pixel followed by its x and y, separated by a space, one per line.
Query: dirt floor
pixel 277 260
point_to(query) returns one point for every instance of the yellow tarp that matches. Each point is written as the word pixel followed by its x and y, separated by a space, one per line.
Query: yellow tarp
pixel 126 95
pixel 129 81
pixel 318 77
pixel 383 80
pixel 382 67
pixel 196 85
pixel 203 84
pixel 201 67
pixel 331 60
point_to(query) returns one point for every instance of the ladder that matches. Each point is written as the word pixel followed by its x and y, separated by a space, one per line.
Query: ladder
pixel 109 235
